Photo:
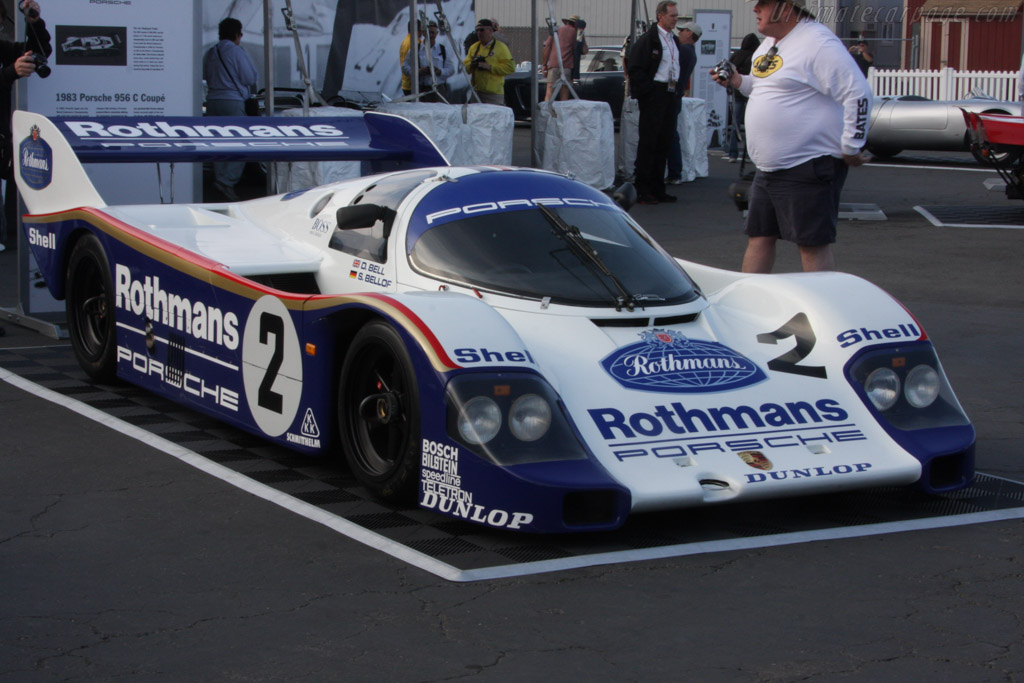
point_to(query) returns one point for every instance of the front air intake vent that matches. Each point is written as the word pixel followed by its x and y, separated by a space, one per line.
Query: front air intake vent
pixel 645 321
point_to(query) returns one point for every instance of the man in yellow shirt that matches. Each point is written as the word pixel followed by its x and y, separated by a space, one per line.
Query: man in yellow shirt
pixel 402 52
pixel 488 62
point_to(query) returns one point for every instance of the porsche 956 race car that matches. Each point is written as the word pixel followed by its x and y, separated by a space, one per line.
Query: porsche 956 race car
pixel 504 346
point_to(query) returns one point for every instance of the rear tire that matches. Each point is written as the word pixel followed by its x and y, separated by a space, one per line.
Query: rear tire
pixel 378 413
pixel 90 310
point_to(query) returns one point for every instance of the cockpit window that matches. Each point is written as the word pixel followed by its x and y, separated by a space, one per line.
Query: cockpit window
pixel 370 241
pixel 573 255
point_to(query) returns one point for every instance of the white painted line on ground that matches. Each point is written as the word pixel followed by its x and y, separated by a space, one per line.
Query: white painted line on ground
pixel 931 168
pixel 339 524
pixel 450 573
pixel 939 224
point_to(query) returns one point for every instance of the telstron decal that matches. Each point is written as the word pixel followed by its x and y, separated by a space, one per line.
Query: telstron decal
pixel 442 490
pixel 146 297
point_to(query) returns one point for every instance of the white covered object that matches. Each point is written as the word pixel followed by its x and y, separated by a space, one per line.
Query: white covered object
pixel 693 137
pixel 298 175
pixel 629 135
pixel 486 135
pixel 440 122
pixel 579 140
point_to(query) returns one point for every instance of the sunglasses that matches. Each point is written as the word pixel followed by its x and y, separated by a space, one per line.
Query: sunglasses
pixel 766 61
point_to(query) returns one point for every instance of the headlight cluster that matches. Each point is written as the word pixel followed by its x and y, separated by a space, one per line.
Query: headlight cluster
pixel 920 388
pixel 907 387
pixel 511 418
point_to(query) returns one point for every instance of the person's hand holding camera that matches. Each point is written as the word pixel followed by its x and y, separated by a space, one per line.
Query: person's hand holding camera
pixel 480 62
pixel 25 65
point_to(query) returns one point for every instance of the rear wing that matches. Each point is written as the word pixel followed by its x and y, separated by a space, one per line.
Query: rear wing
pixel 49 153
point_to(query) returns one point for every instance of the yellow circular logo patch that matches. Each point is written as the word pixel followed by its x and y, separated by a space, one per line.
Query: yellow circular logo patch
pixel 766 66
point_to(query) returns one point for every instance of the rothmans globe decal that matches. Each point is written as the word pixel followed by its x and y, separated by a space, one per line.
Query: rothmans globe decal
pixel 35 160
pixel 669 362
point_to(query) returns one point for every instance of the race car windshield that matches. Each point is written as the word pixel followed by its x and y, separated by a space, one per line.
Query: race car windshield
pixel 523 254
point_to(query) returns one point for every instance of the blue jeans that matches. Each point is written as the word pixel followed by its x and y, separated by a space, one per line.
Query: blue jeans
pixel 739 112
pixel 226 172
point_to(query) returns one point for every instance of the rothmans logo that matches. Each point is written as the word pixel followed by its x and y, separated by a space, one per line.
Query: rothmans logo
pixel 35 160
pixel 668 362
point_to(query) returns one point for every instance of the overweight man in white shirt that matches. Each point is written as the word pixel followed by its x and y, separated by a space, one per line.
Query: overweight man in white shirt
pixel 806 123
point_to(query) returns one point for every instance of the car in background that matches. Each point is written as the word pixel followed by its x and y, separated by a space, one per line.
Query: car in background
pixel 601 80
pixel 917 123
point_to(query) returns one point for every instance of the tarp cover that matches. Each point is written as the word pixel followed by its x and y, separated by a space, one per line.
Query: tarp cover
pixel 442 123
pixel 486 136
pixel 693 138
pixel 298 175
pixel 579 140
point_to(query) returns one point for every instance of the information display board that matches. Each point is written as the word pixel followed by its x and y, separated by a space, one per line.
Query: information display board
pixel 712 48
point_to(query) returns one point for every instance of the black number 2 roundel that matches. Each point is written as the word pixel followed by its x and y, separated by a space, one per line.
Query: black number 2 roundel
pixel 271 366
pixel 799 328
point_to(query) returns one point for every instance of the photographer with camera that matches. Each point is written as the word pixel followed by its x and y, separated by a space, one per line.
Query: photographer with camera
pixel 488 62
pixel 806 123
pixel 18 60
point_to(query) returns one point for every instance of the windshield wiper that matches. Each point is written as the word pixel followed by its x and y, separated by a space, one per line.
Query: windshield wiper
pixel 579 245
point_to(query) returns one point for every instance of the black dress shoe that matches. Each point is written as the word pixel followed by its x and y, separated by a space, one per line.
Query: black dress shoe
pixel 665 197
pixel 647 199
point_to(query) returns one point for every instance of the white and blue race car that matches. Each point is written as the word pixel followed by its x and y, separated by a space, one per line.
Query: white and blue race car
pixel 505 346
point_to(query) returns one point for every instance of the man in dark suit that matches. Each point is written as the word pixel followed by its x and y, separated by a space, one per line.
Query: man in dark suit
pixel 655 70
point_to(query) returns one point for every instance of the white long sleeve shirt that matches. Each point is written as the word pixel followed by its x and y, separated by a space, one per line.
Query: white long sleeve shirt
pixel 811 100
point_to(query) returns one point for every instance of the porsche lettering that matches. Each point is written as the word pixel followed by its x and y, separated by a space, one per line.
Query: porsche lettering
pixel 489 207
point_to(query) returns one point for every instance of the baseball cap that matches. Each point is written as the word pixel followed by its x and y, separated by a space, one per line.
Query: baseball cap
pixel 692 26
pixel 485 23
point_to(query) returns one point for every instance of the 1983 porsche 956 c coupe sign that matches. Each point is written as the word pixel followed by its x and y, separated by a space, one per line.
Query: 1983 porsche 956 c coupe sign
pixel 504 346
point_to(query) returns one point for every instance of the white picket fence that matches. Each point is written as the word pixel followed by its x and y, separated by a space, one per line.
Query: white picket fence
pixel 945 84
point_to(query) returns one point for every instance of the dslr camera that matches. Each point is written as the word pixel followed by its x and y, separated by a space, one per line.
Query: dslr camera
pixel 724 70
pixel 478 60
pixel 42 68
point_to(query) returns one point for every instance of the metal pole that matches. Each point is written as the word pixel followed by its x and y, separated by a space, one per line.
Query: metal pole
pixel 534 104
pixel 268 89
pixel 414 45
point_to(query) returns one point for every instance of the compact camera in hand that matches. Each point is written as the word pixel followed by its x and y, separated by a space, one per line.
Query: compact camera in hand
pixel 478 60
pixel 724 70
pixel 42 68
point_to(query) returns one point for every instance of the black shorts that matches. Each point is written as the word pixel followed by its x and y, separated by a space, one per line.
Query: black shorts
pixel 799 204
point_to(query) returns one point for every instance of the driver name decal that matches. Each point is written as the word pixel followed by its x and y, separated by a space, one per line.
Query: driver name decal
pixel 669 362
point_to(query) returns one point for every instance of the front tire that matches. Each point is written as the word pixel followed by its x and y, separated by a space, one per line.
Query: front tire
pixel 378 413
pixel 90 310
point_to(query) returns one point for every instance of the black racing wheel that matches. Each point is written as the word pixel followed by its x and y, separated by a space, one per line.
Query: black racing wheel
pixel 378 413
pixel 90 310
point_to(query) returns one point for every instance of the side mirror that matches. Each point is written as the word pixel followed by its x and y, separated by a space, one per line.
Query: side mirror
pixel 625 196
pixel 358 216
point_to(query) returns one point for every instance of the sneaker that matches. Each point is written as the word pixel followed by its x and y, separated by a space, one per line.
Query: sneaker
pixel 228 192
pixel 731 160
pixel 674 181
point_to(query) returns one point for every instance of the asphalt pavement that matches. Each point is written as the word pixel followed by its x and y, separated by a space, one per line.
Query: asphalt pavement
pixel 118 561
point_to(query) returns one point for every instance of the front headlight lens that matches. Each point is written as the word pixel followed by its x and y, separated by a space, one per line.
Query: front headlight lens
pixel 530 417
pixel 922 386
pixel 883 388
pixel 479 420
